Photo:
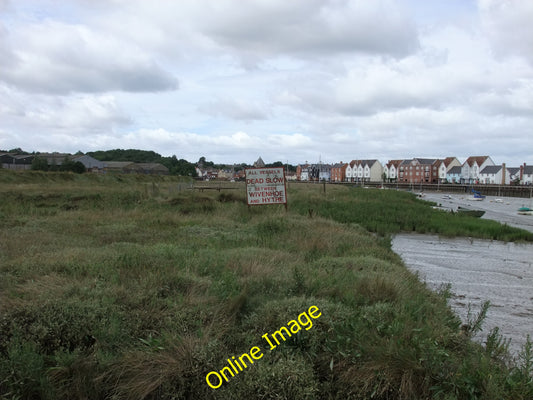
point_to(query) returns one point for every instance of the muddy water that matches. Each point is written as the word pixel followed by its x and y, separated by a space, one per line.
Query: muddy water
pixel 478 270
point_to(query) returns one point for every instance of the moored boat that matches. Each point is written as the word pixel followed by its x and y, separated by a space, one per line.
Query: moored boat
pixel 525 211
pixel 472 213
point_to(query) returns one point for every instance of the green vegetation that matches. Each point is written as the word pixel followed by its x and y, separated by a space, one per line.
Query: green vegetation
pixel 40 164
pixel 175 166
pixel 132 287
pixel 389 211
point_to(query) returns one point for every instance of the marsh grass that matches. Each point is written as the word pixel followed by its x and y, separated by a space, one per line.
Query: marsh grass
pixel 109 290
pixel 389 211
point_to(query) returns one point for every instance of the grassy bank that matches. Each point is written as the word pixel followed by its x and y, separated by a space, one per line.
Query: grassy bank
pixel 390 211
pixel 123 288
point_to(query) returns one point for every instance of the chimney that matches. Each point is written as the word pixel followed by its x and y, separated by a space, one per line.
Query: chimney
pixel 503 174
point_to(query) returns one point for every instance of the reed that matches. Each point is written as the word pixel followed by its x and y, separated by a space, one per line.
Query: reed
pixel 109 290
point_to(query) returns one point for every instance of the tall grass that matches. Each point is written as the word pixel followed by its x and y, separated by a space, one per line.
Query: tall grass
pixel 389 211
pixel 111 291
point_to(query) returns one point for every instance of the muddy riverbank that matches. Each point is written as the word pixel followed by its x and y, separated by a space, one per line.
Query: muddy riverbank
pixel 478 270
pixel 502 209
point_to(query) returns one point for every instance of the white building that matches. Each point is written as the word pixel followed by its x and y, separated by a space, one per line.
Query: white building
pixel 526 174
pixel 391 170
pixel 364 171
pixel 495 175
pixel 445 166
pixel 472 167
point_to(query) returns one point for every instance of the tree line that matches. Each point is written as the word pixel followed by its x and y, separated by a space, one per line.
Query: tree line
pixel 175 166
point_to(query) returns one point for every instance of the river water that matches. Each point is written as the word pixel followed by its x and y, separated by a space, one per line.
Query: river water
pixel 479 270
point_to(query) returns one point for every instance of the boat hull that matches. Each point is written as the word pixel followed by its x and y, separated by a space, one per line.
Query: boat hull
pixel 472 213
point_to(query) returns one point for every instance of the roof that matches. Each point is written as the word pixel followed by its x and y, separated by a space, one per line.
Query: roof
pixel 152 166
pixel 9 158
pixel 396 163
pixel 117 164
pixel 370 163
pixel 491 169
pixel 54 158
pixel 426 161
pixel 528 169
pixel 259 163
pixel 88 161
pixel 455 170
pixel 448 160
pixel 479 159
pixel 513 170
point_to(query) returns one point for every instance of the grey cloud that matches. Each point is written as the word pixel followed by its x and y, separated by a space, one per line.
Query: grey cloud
pixel 59 58
pixel 312 27
pixel 507 24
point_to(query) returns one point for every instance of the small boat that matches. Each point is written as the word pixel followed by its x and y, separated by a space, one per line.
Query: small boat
pixel 476 196
pixel 525 211
pixel 472 213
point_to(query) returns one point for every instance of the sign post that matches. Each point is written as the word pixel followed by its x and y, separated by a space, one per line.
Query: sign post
pixel 266 186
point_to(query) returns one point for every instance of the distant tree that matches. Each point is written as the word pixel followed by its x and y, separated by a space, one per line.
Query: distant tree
pixel 178 167
pixel 17 151
pixel 39 164
pixel 73 166
pixel 278 164
pixel 133 155
pixel 184 168
pixel 79 168
pixel 202 162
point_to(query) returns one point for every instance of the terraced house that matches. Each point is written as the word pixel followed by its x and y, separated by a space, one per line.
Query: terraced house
pixel 338 172
pixel 444 167
pixel 526 174
pixel 391 170
pixel 419 170
pixel 364 171
pixel 472 167
pixel 495 174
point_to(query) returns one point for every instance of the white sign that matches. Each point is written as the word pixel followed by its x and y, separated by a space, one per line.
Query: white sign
pixel 266 186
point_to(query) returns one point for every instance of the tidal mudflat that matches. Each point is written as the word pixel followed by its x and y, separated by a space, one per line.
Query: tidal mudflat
pixel 501 209
pixel 478 270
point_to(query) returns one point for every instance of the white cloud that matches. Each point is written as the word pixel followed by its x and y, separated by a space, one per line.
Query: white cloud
pixel 42 115
pixel 310 27
pixel 54 57
pixel 294 80
pixel 235 109
pixel 507 24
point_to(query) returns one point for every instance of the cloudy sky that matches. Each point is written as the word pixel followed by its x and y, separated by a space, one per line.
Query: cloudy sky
pixel 290 80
